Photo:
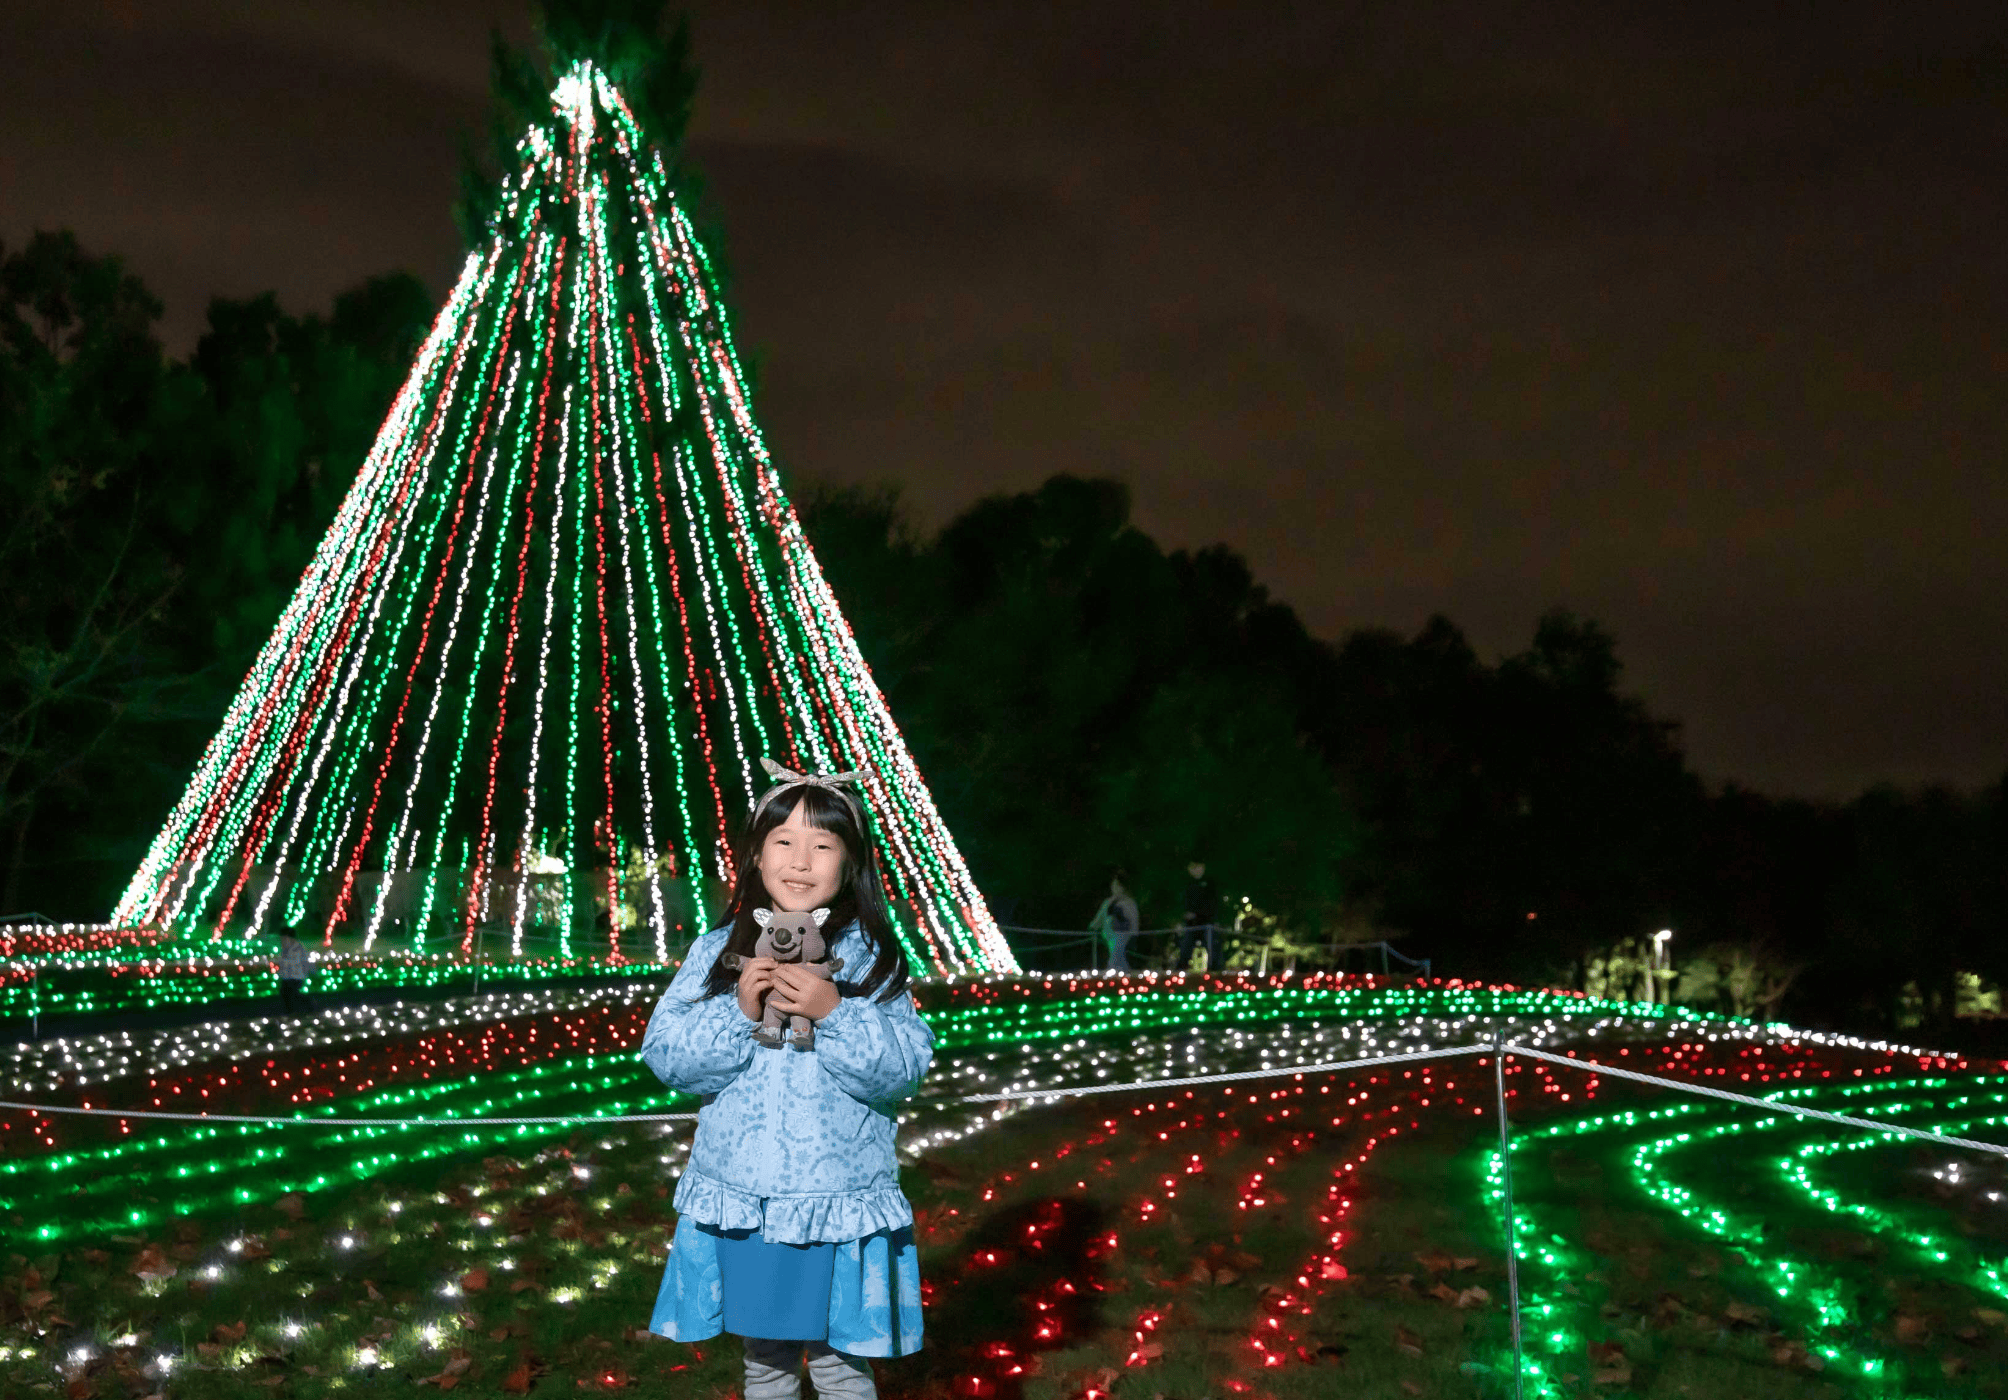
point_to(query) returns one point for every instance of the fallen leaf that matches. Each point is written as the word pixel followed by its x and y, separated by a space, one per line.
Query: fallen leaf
pixel 1472 1297
pixel 80 1388
pixel 227 1332
pixel 1993 1317
pixel 517 1382
pixel 152 1265
pixel 1612 1366
pixel 1952 1366
pixel 1443 1291
pixel 1911 1328
pixel 523 1284
pixel 1435 1263
pixel 36 1301
pixel 252 1247
pixel 1411 1387
pixel 449 1377
pixel 1745 1314
pixel 474 1281
pixel 1465 1263
pixel 292 1204
pixel 1407 1341
pixel 1223 1277
pixel 95 1256
pixel 371 1289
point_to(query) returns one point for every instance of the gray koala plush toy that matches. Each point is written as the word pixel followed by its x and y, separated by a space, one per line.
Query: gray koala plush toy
pixel 789 938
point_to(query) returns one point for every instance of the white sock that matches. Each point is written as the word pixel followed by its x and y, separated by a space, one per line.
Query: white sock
pixel 773 1369
pixel 837 1376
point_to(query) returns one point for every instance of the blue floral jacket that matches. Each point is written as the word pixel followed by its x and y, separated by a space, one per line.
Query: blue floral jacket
pixel 798 1144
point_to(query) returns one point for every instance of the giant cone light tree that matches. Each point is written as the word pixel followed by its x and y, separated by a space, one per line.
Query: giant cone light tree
pixel 565 609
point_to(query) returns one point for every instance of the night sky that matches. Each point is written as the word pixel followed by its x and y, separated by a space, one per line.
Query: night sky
pixel 1686 317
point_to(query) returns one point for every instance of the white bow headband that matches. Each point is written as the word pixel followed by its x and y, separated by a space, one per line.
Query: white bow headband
pixel 786 779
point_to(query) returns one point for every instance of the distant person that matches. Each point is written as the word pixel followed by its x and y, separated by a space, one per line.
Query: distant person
pixel 1116 922
pixel 1202 912
pixel 293 969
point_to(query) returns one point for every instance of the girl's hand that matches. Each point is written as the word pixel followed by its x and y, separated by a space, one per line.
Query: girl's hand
pixel 756 979
pixel 799 992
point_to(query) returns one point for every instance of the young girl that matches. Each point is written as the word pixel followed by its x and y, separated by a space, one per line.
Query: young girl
pixel 791 1228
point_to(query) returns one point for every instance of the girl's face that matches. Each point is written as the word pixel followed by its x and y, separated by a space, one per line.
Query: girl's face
pixel 801 865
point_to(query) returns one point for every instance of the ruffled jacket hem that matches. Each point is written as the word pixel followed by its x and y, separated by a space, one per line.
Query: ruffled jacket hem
pixel 792 1219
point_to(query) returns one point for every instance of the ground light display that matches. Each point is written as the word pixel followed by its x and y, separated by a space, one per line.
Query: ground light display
pixel 523 690
pixel 1309 1227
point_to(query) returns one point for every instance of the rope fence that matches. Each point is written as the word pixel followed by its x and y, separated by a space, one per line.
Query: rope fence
pixel 1506 1049
pixel 1768 1105
pixel 1214 936
pixel 1499 1048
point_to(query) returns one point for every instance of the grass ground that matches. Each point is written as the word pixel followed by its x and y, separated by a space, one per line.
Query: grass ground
pixel 1256 1242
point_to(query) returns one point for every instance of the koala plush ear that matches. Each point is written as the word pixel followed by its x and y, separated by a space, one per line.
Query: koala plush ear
pixel 819 916
pixel 763 917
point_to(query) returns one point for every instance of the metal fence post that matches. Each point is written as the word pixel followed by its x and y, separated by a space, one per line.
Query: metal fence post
pixel 1506 1181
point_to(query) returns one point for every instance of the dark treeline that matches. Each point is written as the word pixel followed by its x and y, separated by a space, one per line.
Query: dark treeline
pixel 157 515
pixel 1079 698
pixel 1083 700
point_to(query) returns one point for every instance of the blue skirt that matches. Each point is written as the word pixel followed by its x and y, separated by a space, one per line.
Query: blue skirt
pixel 870 1298
pixel 774 1290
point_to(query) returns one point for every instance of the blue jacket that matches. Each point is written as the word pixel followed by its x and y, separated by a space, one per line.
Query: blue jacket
pixel 798 1144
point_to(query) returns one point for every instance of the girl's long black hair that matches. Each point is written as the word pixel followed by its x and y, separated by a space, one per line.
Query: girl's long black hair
pixel 860 897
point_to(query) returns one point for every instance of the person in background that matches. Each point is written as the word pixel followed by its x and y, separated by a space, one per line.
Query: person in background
pixel 1202 909
pixel 1116 922
pixel 293 968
